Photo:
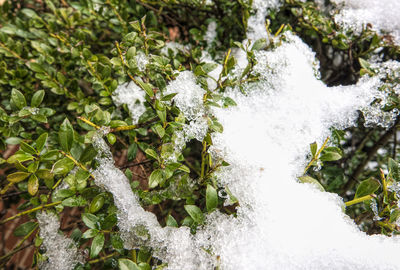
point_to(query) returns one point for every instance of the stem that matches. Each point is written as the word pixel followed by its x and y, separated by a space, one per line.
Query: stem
pixel 88 122
pixel 385 191
pixel 316 155
pixel 370 154
pixel 358 200
pixel 29 211
pixel 76 162
pixel 203 163
pixel 103 258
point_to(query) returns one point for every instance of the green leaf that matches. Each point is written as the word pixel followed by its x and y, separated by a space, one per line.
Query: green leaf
pixel 37 98
pixel 313 149
pixel 151 153
pixel 66 135
pixel 96 204
pixel 367 187
pixel 132 151
pixel 126 264
pixel 155 178
pixel 27 148
pixel 211 198
pixel 330 156
pixel 259 44
pixel 36 67
pixel 25 229
pixel 41 142
pixel 312 181
pixel 97 245
pixel 171 222
pixel 146 87
pixel 44 174
pixel 18 99
pixel 17 177
pixel 21 157
pixel 63 166
pixel 111 138
pixel 90 233
pixel 29 13
pixel 195 213
pixel 88 154
pixel 90 220
pixel 33 185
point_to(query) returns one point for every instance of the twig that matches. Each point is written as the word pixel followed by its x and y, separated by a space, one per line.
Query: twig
pixel 29 211
pixel 370 154
pixel 135 164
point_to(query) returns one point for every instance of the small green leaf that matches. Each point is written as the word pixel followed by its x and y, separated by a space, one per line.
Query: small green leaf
pixel 259 44
pixel 171 222
pixel 111 138
pixel 90 233
pixel 313 149
pixel 367 187
pixel 88 154
pixel 132 151
pixel 44 174
pixel 330 156
pixel 33 185
pixel 27 148
pixel 63 166
pixel 17 177
pixel 25 229
pixel 146 87
pixel 151 153
pixel 126 264
pixel 37 98
pixel 155 178
pixel 18 99
pixel 195 213
pixel 96 204
pixel 97 245
pixel 66 135
pixel 211 198
pixel 41 142
pixel 90 220
pixel 312 181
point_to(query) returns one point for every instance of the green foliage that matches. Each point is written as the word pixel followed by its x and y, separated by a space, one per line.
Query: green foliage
pixel 60 63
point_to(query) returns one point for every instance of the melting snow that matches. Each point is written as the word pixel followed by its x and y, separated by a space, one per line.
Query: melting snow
pixel 131 95
pixel 381 14
pixel 61 251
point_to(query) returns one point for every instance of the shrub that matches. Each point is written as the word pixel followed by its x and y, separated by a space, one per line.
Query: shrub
pixel 199 134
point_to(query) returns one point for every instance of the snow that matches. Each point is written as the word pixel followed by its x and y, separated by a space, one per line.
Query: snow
pixel 61 251
pixel 381 14
pixel 280 223
pixel 133 96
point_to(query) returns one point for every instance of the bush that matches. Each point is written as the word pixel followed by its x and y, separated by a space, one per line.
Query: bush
pixel 181 134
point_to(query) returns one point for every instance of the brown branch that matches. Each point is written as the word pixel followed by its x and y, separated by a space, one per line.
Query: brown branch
pixel 135 164
pixel 370 154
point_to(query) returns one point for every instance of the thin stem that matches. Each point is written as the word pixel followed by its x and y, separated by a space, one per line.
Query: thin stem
pixel 385 191
pixel 103 258
pixel 358 200
pixel 29 211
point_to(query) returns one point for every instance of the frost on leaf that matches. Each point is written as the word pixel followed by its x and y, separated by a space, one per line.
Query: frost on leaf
pixel 382 15
pixel 61 251
pixel 131 95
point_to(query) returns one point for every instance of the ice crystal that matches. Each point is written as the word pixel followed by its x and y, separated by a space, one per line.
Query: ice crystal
pixel 142 61
pixel 382 15
pixel 61 251
pixel 131 95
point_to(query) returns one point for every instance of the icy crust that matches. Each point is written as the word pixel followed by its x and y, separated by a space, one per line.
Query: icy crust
pixel 282 224
pixel 389 73
pixel 61 251
pixel 177 247
pixel 381 14
pixel 134 97
pixel 189 100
